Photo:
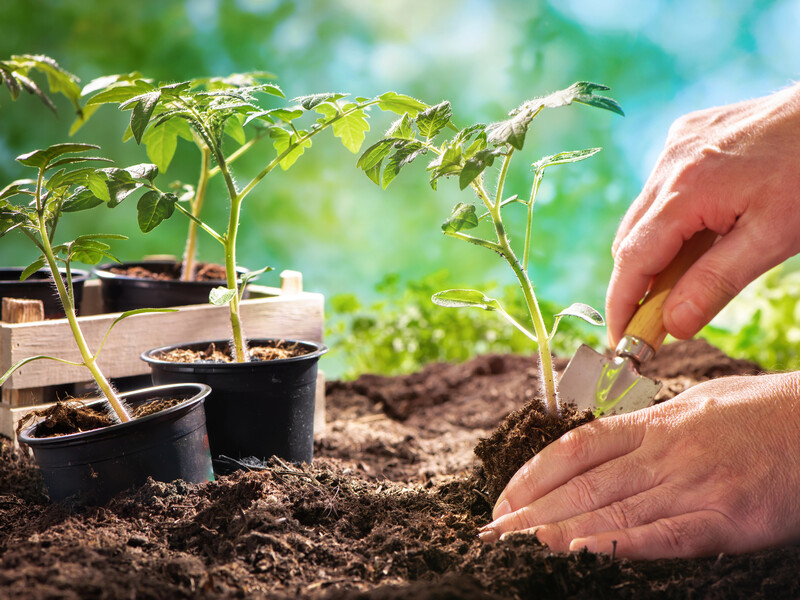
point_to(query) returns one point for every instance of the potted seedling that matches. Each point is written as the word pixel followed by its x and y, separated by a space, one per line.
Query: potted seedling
pixel 108 448
pixel 16 74
pixel 168 282
pixel 263 398
pixel 465 156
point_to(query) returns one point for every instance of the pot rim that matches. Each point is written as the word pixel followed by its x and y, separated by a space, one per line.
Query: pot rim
pixel 201 392
pixel 78 275
pixel 103 272
pixel 147 356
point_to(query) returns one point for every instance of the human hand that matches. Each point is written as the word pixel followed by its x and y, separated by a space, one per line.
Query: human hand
pixel 715 469
pixel 733 170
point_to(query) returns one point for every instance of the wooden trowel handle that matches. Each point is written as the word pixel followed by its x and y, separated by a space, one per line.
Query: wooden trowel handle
pixel 647 323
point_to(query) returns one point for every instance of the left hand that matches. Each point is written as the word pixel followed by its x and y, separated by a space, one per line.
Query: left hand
pixel 716 469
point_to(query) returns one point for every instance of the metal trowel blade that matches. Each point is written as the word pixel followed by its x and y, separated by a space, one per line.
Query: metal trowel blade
pixel 606 385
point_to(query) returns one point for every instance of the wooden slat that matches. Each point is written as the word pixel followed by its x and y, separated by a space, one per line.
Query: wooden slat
pixel 297 316
pixel 17 310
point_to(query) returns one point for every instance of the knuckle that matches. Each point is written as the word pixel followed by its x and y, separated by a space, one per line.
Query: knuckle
pixel 554 536
pixel 576 444
pixel 581 492
pixel 672 536
pixel 617 514
pixel 720 280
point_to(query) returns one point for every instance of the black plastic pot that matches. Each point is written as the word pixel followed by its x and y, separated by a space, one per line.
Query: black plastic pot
pixel 256 409
pixel 92 466
pixel 122 292
pixel 40 286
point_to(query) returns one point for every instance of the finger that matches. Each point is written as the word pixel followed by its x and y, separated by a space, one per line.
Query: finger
pixel 695 534
pixel 719 275
pixel 632 511
pixel 613 481
pixel 573 453
pixel 646 252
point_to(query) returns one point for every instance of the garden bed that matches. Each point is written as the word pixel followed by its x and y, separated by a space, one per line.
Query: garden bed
pixel 388 510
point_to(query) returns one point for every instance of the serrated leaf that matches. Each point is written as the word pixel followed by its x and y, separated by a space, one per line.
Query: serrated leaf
pixel 285 142
pixel 220 296
pixel 465 298
pixel 401 128
pixel 477 164
pixel 41 158
pixel 511 131
pixel 142 112
pixel 97 184
pixel 584 312
pixel 36 265
pixel 81 199
pixel 310 102
pixel 564 158
pixel 373 155
pixel 400 104
pixel 161 141
pixel 462 217
pixel 432 120
pixel 153 207
pixel 121 93
pixel 19 186
pixel 406 151
pixel 352 129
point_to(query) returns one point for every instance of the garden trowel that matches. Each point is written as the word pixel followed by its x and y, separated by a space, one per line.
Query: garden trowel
pixel 613 385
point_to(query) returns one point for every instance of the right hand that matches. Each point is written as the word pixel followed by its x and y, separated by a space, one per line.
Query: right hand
pixel 734 170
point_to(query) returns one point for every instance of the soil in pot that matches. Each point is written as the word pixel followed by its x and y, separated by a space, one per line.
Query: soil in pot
pixel 39 286
pixel 86 458
pixel 257 409
pixel 156 284
pixel 386 511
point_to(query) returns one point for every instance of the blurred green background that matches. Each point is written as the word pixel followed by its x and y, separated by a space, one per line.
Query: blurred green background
pixel 326 219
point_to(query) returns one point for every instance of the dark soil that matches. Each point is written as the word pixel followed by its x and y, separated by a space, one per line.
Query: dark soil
pixel 202 272
pixel 274 350
pixel 389 509
pixel 73 416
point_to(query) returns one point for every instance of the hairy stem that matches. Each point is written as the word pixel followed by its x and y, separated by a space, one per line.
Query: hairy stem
pixel 69 309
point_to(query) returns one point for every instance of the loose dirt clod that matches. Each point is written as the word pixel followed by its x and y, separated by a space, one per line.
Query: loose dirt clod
pixel 274 351
pixel 202 272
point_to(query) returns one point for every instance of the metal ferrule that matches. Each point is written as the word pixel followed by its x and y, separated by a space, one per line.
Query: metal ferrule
pixel 635 348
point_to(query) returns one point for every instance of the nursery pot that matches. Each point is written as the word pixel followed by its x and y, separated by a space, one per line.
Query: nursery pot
pixel 92 466
pixel 124 292
pixel 256 409
pixel 40 286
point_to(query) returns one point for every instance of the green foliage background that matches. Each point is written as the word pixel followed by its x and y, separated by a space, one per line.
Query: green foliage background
pixel 661 58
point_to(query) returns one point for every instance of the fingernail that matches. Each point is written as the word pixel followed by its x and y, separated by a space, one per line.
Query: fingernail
pixel 687 318
pixel 578 544
pixel 488 534
pixel 501 509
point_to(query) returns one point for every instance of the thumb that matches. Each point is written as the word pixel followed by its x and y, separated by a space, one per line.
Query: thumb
pixel 715 279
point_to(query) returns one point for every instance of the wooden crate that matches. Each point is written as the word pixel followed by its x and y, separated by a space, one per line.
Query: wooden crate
pixel 285 312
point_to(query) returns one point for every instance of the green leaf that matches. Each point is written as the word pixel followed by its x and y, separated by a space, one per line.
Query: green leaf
pixel 400 104
pixel 19 186
pixel 406 152
pixel 118 93
pixel 432 120
pixel 564 158
pixel 96 182
pixel 462 217
pixel 511 131
pixel 465 298
pixel 220 296
pixel 39 159
pixel 142 112
pixel 161 141
pixel 288 144
pixel 153 207
pixel 373 155
pixel 401 128
pixel 36 265
pixel 89 251
pixel 447 163
pixel 352 129
pixel 583 311
pixel 81 199
pixel 235 129
pixel 477 164
pixel 312 101
pixel 583 92
pixel 249 276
